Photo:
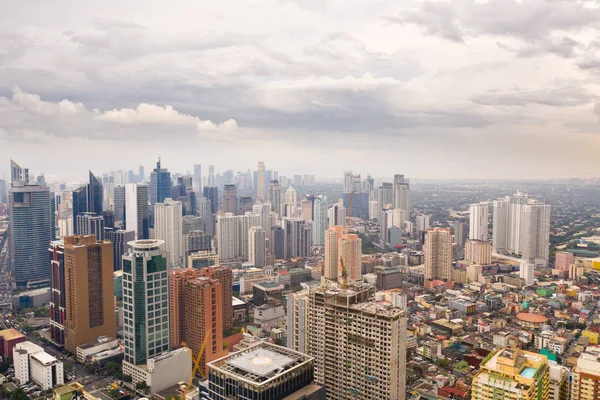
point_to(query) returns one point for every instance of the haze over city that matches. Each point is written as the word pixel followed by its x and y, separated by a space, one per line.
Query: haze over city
pixel 496 89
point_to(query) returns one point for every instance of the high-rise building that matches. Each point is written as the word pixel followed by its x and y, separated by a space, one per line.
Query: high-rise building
pixel 245 205
pixel 277 242
pixel 212 182
pixel 261 193
pixel 145 302
pixel 297 237
pixel 168 227
pixel 3 192
pixel 479 221
pixel 230 200
pixel 512 374
pixel 88 198
pixel 58 290
pixel 275 196
pixel 350 253
pixel 438 254
pixel 347 181
pixel 120 239
pixel 563 260
pixel 90 224
pixel 88 264
pixel 109 218
pixel 212 194
pixel 256 246
pixel 18 173
pixel 585 376
pixel 423 222
pixel 333 235
pixel 478 252
pixel 30 229
pixel 290 202
pixel 321 222
pixel 141 175
pixel 521 226
pixel 385 195
pixel 473 272
pixel 527 272
pixel 460 233
pixel 160 184
pixel 559 382
pixel 197 178
pixel 137 213
pixel 177 307
pixel 306 209
pixel 227 237
pixel 359 345
pixel 336 214
pixel 360 204
pixel 119 206
pixel 374 210
pixel 192 223
pixel 290 375
pixel 401 188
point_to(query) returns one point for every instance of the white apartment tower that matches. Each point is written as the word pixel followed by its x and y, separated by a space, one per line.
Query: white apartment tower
pixel 401 189
pixel 256 246
pixel 479 221
pixel 359 345
pixel 290 202
pixel 168 226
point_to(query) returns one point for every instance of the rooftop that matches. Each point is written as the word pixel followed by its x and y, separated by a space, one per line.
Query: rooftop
pixel 68 388
pixel 532 318
pixel 260 363
pixel 11 334
pixel 44 358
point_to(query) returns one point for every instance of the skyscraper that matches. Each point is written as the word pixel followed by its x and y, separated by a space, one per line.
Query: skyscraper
pixel 359 345
pixel 227 235
pixel 211 176
pixel 168 227
pixel 212 194
pixel 197 178
pixel 350 253
pixel 536 232
pixel 460 233
pixel 478 252
pixel 89 313
pixel 297 237
pixel 90 224
pixel 3 196
pixel 347 181
pixel 146 302
pixel 87 198
pixel 119 239
pixel 333 235
pixel 290 202
pixel 512 373
pixel 275 196
pixel 256 246
pixel 306 209
pixel 18 173
pixel 401 189
pixel 585 377
pixel 385 195
pixel 320 219
pixel 479 221
pixel 260 184
pixel 57 293
pixel 119 206
pixel 438 254
pixel 230 200
pixel 160 187
pixel 336 214
pixel 30 229
pixel 245 205
pixel 136 210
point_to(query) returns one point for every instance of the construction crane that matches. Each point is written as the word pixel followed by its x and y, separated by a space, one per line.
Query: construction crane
pixel 196 363
pixel 346 232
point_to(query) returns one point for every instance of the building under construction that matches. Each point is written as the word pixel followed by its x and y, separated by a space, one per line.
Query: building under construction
pixel 358 344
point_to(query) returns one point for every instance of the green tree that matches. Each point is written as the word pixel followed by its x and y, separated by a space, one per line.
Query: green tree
pixel 442 362
pixel 19 394
pixel 127 378
pixel 142 387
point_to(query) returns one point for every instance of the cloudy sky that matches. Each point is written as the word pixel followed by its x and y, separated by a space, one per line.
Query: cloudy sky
pixel 431 89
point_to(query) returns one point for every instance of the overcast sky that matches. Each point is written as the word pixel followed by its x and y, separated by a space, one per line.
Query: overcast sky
pixel 434 89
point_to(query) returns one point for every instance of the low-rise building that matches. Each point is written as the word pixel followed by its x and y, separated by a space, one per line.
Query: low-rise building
pixel 163 371
pixel 99 345
pixel 9 338
pixel 32 363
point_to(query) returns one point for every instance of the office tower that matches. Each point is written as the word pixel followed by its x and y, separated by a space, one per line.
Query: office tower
pixel 438 254
pixel 88 198
pixel 57 293
pixel 3 196
pixel 460 233
pixel 211 181
pixel 479 221
pixel 109 218
pixel 360 204
pixel 146 302
pixel 275 196
pixel 168 227
pixel 277 242
pixel 333 235
pixel 563 260
pixel 370 187
pixel 108 183
pixel 160 184
pixel 194 242
pixel 203 315
pixel 90 313
pixel 256 246
pixel 18 173
pixel 401 188
pixel 29 231
pixel 137 210
pixel 536 232
pixel 120 239
pixel 90 224
pixel 347 181
pixel 585 376
pixel 512 374
pixel 192 223
pixel 197 178
pixel 260 184
pixel 526 272
pixel 296 241
pixel 320 219
pixel 306 209
pixel 290 202
pixel 336 214
pixel 230 201
pixel 423 222
pixel 478 252
pixel 140 177
pixel 328 322
pixel 212 194
pixel 385 195
pixel 290 374
pixel 119 206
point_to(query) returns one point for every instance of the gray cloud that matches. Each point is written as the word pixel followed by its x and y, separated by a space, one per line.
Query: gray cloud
pixel 567 96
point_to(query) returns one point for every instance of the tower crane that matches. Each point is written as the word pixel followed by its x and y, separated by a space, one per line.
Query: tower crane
pixel 196 363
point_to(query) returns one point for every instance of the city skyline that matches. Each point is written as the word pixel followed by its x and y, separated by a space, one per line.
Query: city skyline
pixel 325 81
